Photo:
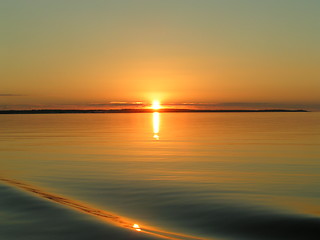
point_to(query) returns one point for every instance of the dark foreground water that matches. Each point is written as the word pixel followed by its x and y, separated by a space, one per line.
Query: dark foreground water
pixel 178 175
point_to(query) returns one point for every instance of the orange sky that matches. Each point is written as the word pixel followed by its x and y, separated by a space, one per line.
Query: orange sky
pixel 247 53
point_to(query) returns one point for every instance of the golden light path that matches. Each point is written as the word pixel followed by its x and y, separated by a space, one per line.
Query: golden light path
pixel 102 214
pixel 156 125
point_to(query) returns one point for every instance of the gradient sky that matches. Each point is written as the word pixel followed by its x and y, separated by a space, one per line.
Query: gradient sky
pixel 258 53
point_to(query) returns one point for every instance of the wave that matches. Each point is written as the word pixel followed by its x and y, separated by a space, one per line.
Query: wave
pixel 102 214
pixel 222 220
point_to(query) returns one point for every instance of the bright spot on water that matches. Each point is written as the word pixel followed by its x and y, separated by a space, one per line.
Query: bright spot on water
pixel 136 227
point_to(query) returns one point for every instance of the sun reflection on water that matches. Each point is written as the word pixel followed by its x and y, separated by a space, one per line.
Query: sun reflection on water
pixel 156 125
pixel 136 227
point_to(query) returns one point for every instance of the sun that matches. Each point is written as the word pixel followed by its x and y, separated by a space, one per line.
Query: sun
pixel 156 105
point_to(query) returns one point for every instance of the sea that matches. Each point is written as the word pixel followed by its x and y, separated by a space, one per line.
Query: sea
pixel 132 176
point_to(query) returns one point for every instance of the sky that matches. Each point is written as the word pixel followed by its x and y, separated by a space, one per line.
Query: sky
pixel 203 53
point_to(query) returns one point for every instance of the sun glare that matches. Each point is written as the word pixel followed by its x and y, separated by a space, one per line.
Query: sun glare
pixel 156 105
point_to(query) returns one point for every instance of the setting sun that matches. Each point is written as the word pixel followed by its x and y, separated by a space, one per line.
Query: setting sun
pixel 156 105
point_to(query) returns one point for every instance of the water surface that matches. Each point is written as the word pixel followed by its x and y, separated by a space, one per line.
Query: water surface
pixel 204 175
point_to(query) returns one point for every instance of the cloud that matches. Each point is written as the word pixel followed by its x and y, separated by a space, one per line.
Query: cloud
pixel 117 104
pixel 10 95
pixel 246 105
pixel 269 105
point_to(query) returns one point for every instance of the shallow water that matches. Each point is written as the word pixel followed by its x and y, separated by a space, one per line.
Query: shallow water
pixel 205 175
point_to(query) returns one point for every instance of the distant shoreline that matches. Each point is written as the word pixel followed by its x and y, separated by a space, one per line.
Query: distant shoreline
pixel 74 111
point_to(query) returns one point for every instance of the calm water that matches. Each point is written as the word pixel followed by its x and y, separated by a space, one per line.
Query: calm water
pixel 200 175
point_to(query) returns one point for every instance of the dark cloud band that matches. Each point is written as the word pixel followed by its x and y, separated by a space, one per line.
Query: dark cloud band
pixel 10 95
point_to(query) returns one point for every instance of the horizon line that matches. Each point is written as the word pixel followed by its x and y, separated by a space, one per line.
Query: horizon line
pixel 145 110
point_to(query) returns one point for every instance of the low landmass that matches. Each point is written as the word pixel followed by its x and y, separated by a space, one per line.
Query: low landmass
pixel 64 111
